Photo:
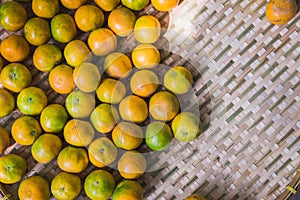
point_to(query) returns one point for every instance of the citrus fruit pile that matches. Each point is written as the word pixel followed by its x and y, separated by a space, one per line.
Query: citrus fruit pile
pixel 114 101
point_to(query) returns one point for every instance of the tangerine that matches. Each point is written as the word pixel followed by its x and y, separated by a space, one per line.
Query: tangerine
pixel 66 186
pixel 147 29
pixel 102 152
pixel 14 48
pixel 77 52
pixel 133 108
pixel 163 106
pixel 31 101
pixel 127 135
pixel 121 21
pixel 145 56
pixel 164 5
pixel 102 41
pixel 132 165
pixel 46 56
pixel 37 31
pixel 45 8
pixel 87 77
pixel 80 104
pixel 72 159
pixel 25 130
pixel 89 18
pixel 79 133
pixel 46 148
pixel 111 91
pixel 13 16
pixel 63 28
pixel 104 117
pixel 144 83
pixel 107 5
pixel 15 77
pixel 117 65
pixel 128 190
pixel 53 118
pixel 61 79
pixel 34 187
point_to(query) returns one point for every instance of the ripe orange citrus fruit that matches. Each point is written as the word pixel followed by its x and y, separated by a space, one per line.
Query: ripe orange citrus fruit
pixel 4 139
pixel 135 4
pixel 102 41
pixel 144 83
pixel 72 4
pixel 25 130
pixel 163 106
pixel 34 187
pixel 72 159
pixel 117 65
pixel 99 184
pixel 107 5
pixel 12 168
pixel 111 91
pixel 63 28
pixel 15 77
pixel 164 5
pixel 128 189
pixel 14 48
pixel 127 135
pixel 102 152
pixel 186 126
pixel 61 79
pixel 132 165
pixel 7 102
pixel 13 16
pixel 195 197
pixel 53 118
pixel 121 21
pixel 147 29
pixel 31 101
pixel 158 135
pixel 145 56
pixel 46 148
pixel 45 9
pixel 80 104
pixel 87 77
pixel 178 79
pixel 78 132
pixel 89 18
pixel 133 108
pixel 77 52
pixel 37 31
pixel 104 117
pixel 65 186
pixel 46 56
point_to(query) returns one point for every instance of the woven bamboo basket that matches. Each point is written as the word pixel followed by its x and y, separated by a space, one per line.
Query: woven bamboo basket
pixel 247 90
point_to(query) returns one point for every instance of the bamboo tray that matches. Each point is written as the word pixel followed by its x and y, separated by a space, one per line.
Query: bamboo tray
pixel 248 92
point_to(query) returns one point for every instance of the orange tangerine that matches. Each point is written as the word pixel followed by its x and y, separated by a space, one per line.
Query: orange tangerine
pixel 121 21
pixel 102 41
pixel 133 108
pixel 61 79
pixel 77 52
pixel 145 56
pixel 147 29
pixel 89 18
pixel 117 65
pixel 14 48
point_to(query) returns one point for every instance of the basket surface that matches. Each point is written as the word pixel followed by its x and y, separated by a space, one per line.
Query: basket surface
pixel 248 89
